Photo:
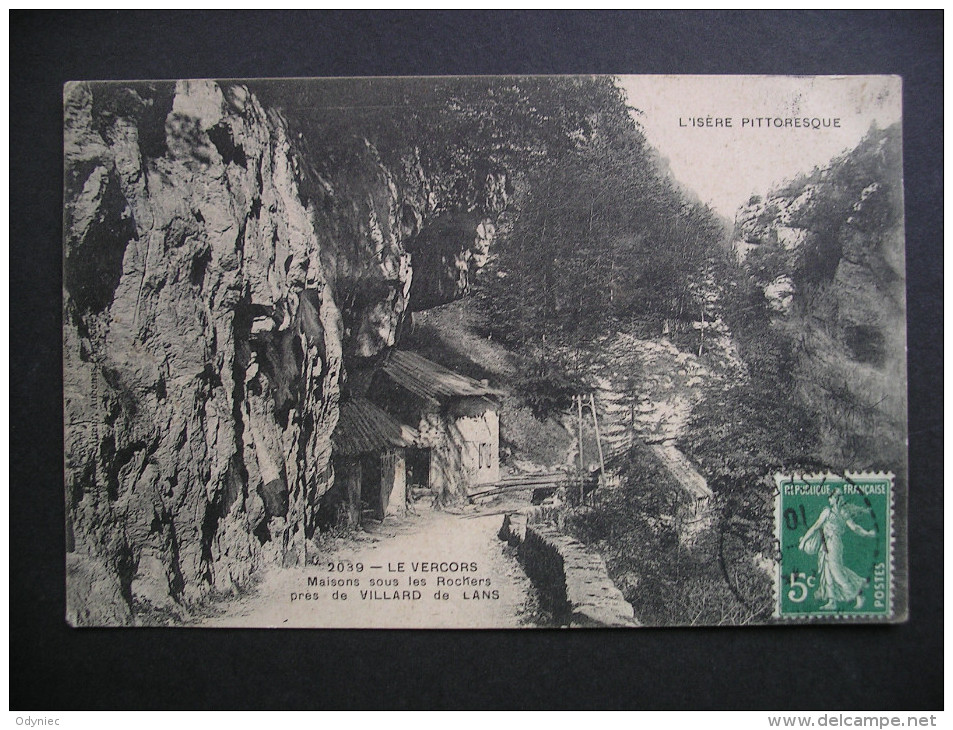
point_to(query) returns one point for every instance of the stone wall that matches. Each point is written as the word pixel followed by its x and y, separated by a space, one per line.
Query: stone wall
pixel 572 580
pixel 478 423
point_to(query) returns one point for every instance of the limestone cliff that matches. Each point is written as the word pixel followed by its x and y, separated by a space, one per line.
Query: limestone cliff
pixel 218 282
pixel 827 251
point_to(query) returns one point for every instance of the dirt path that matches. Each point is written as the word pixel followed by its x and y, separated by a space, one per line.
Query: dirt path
pixel 395 569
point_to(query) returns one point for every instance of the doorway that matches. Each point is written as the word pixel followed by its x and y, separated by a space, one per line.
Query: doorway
pixel 372 505
pixel 418 470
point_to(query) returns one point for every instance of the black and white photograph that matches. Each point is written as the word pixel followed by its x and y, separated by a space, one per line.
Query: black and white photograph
pixel 484 352
pixel 476 360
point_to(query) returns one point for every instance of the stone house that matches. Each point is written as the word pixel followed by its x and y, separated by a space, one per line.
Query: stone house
pixel 456 418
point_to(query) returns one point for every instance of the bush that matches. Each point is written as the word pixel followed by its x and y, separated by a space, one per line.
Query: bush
pixel 634 528
pixel 545 387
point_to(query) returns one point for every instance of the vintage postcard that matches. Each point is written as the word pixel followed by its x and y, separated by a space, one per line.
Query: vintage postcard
pixel 484 352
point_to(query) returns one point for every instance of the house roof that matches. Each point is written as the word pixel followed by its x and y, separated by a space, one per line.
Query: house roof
pixel 431 381
pixel 683 470
pixel 363 427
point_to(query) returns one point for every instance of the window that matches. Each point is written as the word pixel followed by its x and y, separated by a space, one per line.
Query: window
pixel 485 456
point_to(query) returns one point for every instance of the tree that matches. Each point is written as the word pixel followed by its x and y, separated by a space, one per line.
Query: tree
pixel 603 237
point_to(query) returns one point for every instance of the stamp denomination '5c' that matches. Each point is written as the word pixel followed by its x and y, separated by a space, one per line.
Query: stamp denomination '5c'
pixel 834 535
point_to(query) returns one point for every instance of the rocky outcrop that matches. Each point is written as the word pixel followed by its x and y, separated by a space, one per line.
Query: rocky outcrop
pixel 216 287
pixel 394 238
pixel 202 344
pixel 827 250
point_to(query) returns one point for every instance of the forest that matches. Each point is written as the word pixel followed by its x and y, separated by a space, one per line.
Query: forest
pixel 604 244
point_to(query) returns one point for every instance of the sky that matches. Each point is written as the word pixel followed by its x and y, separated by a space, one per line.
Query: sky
pixel 724 165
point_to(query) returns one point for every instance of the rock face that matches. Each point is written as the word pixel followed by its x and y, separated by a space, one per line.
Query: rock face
pixel 394 241
pixel 828 253
pixel 215 289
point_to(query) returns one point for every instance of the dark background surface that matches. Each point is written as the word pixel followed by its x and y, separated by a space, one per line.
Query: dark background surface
pixel 53 667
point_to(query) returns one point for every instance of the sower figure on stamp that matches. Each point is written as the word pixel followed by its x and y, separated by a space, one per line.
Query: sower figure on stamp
pixel 835 581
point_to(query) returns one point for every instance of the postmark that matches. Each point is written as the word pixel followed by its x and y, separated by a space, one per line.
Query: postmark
pixel 835 546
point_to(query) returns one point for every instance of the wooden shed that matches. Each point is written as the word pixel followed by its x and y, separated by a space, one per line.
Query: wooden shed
pixel 369 449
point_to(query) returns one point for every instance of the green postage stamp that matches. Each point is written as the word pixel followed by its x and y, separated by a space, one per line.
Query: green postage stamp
pixel 835 536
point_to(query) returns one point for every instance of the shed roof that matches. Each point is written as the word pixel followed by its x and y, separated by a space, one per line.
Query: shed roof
pixel 363 427
pixel 431 381
pixel 683 470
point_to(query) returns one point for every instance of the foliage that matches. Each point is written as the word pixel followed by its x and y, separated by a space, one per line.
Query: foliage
pixel 668 583
pixel 456 131
pixel 603 238
pixel 745 430
pixel 545 387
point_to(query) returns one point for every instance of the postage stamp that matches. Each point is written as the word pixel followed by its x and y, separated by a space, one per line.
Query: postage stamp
pixel 835 539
